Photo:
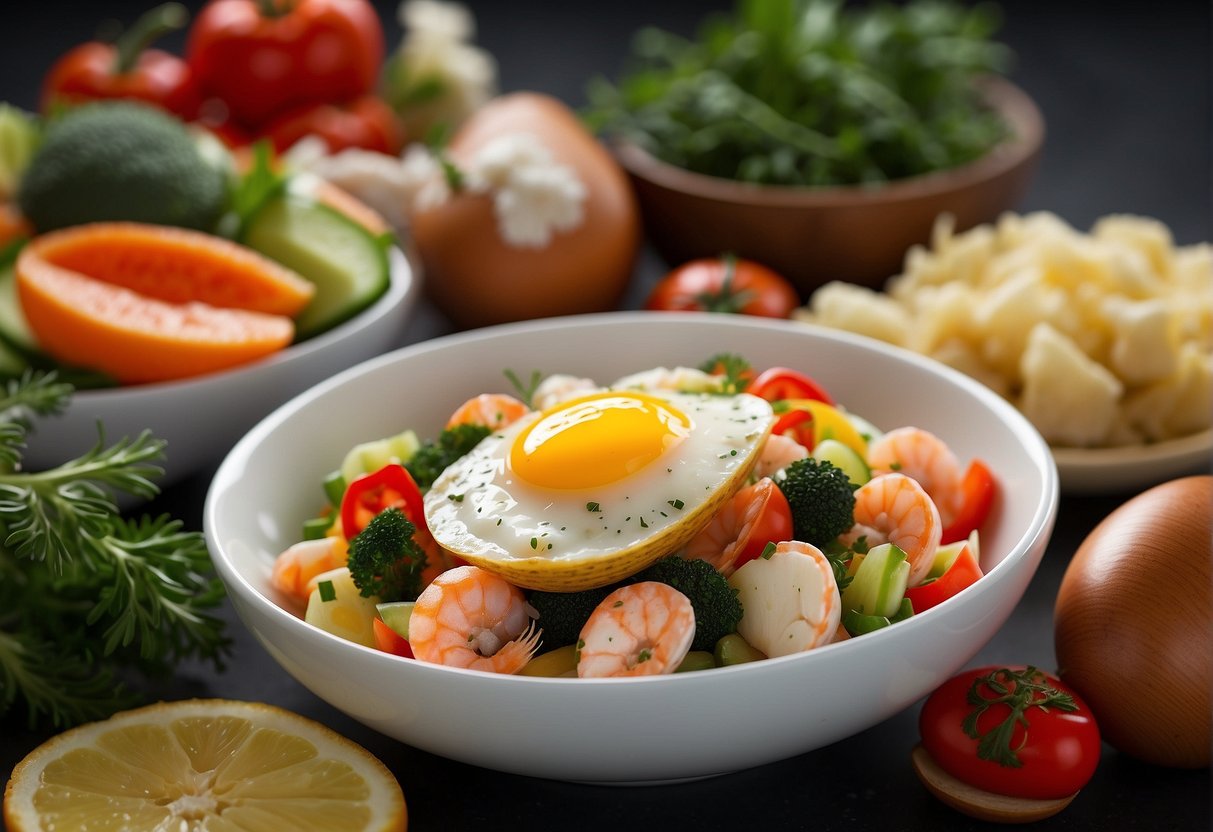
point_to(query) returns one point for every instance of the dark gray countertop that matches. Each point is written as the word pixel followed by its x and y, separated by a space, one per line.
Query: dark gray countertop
pixel 1125 94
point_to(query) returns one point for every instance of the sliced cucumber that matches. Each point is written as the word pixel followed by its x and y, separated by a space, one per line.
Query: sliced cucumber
pixel 844 458
pixel 879 583
pixel 347 264
pixel 371 456
pixel 396 614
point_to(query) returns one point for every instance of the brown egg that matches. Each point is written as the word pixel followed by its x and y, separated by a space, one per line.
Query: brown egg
pixel 476 278
pixel 1133 624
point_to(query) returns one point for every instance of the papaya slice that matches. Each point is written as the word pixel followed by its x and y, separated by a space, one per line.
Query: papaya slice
pixel 176 265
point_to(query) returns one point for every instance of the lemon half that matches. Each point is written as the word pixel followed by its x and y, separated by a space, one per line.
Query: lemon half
pixel 203 766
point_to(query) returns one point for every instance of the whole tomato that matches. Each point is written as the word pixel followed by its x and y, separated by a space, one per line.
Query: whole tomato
pixel 127 69
pixel 264 57
pixel 724 284
pixel 1012 731
pixel 367 123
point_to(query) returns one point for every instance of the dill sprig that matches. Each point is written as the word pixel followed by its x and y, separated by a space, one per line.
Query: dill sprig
pixel 85 593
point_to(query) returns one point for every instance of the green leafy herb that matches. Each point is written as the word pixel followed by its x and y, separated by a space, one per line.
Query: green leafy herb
pixel 86 595
pixel 593 507
pixel 526 392
pixel 327 592
pixel 1019 690
pixel 735 369
pixel 252 190
pixel 768 550
pixel 809 93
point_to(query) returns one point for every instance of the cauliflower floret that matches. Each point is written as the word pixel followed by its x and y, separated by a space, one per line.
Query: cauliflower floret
pixel 858 309
pixel 1146 346
pixel 1071 399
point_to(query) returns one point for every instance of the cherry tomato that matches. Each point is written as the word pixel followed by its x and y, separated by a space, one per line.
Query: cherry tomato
pixel 779 383
pixel 979 488
pixel 389 487
pixel 265 57
pixel 1051 744
pixel 390 641
pixel 366 123
pixel 724 284
pixel 964 572
pixel 771 521
pixel 127 69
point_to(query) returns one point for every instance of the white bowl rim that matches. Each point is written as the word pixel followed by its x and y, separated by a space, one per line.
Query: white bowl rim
pixel 1043 516
pixel 403 283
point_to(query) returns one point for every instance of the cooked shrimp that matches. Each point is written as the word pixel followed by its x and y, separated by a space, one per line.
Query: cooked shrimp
pixel 642 629
pixel 923 456
pixel 469 617
pixel 756 515
pixel 894 508
pixel 561 388
pixel 778 452
pixel 295 568
pixel 493 410
pixel 791 600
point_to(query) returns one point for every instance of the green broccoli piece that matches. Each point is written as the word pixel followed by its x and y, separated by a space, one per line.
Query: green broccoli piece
pixel 821 499
pixel 563 614
pixel 432 458
pixel 385 561
pixel 717 609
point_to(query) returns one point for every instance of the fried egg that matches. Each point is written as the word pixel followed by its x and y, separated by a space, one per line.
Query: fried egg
pixel 596 488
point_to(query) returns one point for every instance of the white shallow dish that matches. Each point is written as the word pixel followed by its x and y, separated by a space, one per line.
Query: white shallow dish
pixel 201 418
pixel 1135 467
pixel 624 730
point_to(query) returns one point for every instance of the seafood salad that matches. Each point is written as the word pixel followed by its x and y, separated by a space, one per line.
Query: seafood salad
pixel 669 521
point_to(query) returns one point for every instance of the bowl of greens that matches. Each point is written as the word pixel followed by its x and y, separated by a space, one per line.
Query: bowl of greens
pixel 820 140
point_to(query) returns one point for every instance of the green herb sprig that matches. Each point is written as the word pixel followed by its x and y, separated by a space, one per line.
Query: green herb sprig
pixel 1019 690
pixel 87 596
pixel 809 93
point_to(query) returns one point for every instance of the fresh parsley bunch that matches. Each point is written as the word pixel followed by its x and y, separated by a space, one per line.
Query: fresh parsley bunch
pixel 807 93
pixel 86 595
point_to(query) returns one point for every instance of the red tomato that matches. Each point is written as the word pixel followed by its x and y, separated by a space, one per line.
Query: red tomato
pixel 757 515
pixel 366 123
pixel 724 284
pixel 389 487
pixel 979 488
pixel 963 572
pixel 390 641
pixel 779 383
pixel 1050 752
pixel 127 69
pixel 265 57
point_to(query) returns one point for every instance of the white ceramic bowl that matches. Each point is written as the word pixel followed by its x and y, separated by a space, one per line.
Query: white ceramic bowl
pixel 201 418
pixel 624 730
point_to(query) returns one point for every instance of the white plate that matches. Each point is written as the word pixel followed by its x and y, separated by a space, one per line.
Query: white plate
pixel 642 729
pixel 1135 467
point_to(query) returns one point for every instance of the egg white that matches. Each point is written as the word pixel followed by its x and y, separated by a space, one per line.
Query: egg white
pixel 478 506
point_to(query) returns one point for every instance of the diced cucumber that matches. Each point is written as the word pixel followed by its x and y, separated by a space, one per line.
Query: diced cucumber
pixel 844 458
pixel 347 264
pixel 879 583
pixel 316 528
pixel 334 488
pixel 866 429
pixel 368 457
pixel 733 649
pixel 696 660
pixel 396 614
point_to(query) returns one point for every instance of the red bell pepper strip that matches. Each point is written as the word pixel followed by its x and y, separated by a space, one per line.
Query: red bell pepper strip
pixel 979 488
pixel 389 487
pixel 779 383
pixel 795 424
pixel 963 572
pixel 390 641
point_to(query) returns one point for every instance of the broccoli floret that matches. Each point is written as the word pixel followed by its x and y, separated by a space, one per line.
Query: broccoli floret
pixel 432 458
pixel 821 499
pixel 563 614
pixel 384 559
pixel 717 609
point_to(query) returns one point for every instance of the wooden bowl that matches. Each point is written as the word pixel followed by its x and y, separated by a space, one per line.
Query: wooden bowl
pixel 859 234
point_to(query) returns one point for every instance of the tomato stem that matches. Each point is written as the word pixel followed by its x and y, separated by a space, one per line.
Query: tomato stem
pixel 153 24
pixel 1019 691
pixel 275 8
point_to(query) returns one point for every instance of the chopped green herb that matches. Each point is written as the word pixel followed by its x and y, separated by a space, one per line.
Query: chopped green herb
pixel 678 504
pixel 768 550
pixel 593 507
pixel 327 593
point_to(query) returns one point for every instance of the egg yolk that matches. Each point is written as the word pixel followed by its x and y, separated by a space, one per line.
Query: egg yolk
pixel 596 439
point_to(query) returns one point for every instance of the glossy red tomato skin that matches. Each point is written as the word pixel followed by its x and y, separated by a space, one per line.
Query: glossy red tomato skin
pixel 774 523
pixel 1059 753
pixel 261 66
pixel 366 123
pixel 756 289
pixel 87 73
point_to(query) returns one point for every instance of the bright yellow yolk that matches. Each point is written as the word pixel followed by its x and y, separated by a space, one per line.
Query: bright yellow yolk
pixel 597 439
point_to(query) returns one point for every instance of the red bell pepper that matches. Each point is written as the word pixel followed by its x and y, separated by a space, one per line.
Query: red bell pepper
pixel 778 383
pixel 389 487
pixel 964 571
pixel 979 488
pixel 390 641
